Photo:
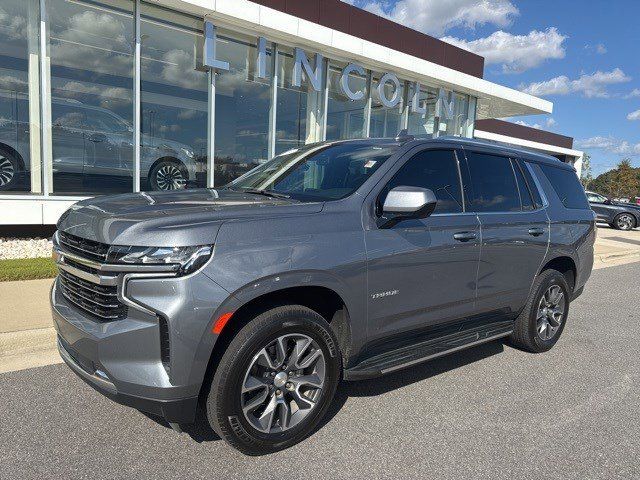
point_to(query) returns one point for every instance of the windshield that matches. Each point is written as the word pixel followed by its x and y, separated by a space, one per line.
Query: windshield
pixel 317 173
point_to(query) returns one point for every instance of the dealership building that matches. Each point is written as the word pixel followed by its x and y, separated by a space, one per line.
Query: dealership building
pixel 104 97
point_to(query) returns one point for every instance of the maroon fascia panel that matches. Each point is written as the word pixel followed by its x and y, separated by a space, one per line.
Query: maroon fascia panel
pixel 509 129
pixel 362 24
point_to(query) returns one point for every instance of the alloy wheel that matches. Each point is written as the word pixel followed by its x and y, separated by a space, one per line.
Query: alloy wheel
pixel 7 172
pixel 283 383
pixel 625 221
pixel 551 310
pixel 170 177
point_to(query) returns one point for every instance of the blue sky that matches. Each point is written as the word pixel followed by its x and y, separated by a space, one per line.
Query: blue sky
pixel 581 55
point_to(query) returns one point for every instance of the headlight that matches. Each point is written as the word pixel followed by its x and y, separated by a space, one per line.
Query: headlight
pixel 190 259
pixel 187 152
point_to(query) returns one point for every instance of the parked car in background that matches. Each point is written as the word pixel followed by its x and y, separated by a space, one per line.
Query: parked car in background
pixel 621 216
pixel 348 259
pixel 91 140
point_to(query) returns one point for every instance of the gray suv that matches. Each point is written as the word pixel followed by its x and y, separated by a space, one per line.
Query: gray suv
pixel 339 260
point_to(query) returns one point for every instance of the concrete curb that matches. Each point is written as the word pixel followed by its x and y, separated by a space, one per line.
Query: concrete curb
pixel 618 258
pixel 28 349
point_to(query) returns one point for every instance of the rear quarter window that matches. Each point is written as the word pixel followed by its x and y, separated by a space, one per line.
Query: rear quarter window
pixel 567 186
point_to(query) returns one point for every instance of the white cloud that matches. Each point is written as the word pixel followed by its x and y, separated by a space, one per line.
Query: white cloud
pixel 633 93
pixel 601 49
pixel 516 53
pixel 435 17
pixel 609 144
pixel 634 115
pixel 594 85
pixel 548 123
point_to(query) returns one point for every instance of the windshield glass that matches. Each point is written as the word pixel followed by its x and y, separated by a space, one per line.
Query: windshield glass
pixel 316 173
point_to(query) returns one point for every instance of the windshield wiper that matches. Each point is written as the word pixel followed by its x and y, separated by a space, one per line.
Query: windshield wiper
pixel 266 193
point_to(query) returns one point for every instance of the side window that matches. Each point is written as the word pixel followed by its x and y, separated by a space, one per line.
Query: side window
pixel 537 198
pixel 494 184
pixel 433 169
pixel 567 186
pixel 523 188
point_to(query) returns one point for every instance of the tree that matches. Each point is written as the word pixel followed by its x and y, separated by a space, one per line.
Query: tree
pixel 586 177
pixel 623 181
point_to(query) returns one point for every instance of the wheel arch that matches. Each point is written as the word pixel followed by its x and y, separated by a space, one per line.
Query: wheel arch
pixel 324 300
pixel 565 265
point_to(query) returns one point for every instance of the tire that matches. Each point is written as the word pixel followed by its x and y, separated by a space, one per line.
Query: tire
pixel 244 361
pixel 10 171
pixel 624 221
pixel 167 175
pixel 527 334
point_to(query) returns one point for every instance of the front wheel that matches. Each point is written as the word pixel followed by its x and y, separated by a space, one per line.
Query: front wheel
pixel 9 171
pixel 624 221
pixel 539 326
pixel 275 381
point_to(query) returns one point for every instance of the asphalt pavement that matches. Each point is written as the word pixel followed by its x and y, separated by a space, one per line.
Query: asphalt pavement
pixel 490 412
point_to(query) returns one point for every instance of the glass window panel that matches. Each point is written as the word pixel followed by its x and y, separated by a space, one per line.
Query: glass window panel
pixel 174 101
pixel 494 184
pixel 242 111
pixel 385 122
pixel 18 96
pixel 421 124
pixel 91 49
pixel 345 117
pixel 433 169
pixel 298 108
pixel 458 124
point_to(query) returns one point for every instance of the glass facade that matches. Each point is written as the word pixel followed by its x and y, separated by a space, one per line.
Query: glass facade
pixel 91 105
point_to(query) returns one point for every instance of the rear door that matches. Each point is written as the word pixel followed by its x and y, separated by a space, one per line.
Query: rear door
pixel 604 213
pixel 515 232
pixel 422 272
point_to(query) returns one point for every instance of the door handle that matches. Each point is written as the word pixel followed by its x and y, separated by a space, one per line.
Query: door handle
pixel 464 236
pixel 536 232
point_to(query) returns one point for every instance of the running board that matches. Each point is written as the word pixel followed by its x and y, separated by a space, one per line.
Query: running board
pixel 421 352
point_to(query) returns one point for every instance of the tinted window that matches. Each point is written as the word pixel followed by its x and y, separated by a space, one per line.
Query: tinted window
pixel 525 195
pixel 566 185
pixel 532 184
pixel 433 169
pixel 494 184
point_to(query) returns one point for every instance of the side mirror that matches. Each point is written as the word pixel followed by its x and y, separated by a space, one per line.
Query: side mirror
pixel 403 203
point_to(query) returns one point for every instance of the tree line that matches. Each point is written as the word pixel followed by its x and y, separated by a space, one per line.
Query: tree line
pixel 620 182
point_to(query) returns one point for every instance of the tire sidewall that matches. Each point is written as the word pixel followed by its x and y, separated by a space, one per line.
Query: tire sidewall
pixel 615 222
pixel 553 278
pixel 226 404
pixel 153 181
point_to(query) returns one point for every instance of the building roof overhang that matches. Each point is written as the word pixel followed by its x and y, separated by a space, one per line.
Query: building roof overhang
pixel 494 100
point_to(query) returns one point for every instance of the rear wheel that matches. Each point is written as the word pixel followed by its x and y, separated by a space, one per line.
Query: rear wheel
pixel 9 171
pixel 168 175
pixel 624 221
pixel 539 326
pixel 275 381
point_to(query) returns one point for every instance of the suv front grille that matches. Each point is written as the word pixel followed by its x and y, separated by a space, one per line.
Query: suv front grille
pixel 83 247
pixel 98 300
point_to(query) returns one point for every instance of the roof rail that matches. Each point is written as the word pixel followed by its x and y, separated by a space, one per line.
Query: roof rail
pixel 403 136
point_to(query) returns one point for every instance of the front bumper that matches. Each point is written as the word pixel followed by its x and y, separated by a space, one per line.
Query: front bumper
pixel 123 359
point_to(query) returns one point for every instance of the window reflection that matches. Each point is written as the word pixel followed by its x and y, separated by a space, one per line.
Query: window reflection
pixel 297 120
pixel 458 122
pixel 385 122
pixel 173 151
pixel 345 117
pixel 91 51
pixel 18 55
pixel 242 111
pixel 421 124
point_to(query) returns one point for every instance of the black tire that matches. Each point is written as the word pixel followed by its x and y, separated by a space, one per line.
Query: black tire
pixel 525 333
pixel 10 170
pixel 223 404
pixel 161 169
pixel 626 226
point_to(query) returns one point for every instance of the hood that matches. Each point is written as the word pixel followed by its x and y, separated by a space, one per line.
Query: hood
pixel 187 217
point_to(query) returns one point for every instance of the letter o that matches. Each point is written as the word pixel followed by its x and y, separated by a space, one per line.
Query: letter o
pixel 393 101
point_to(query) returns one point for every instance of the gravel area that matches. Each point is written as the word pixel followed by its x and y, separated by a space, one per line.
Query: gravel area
pixel 24 248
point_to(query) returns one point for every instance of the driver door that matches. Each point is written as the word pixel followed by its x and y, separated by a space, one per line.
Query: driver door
pixel 422 272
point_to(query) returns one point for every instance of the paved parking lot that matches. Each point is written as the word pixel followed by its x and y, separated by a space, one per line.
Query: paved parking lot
pixel 490 412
